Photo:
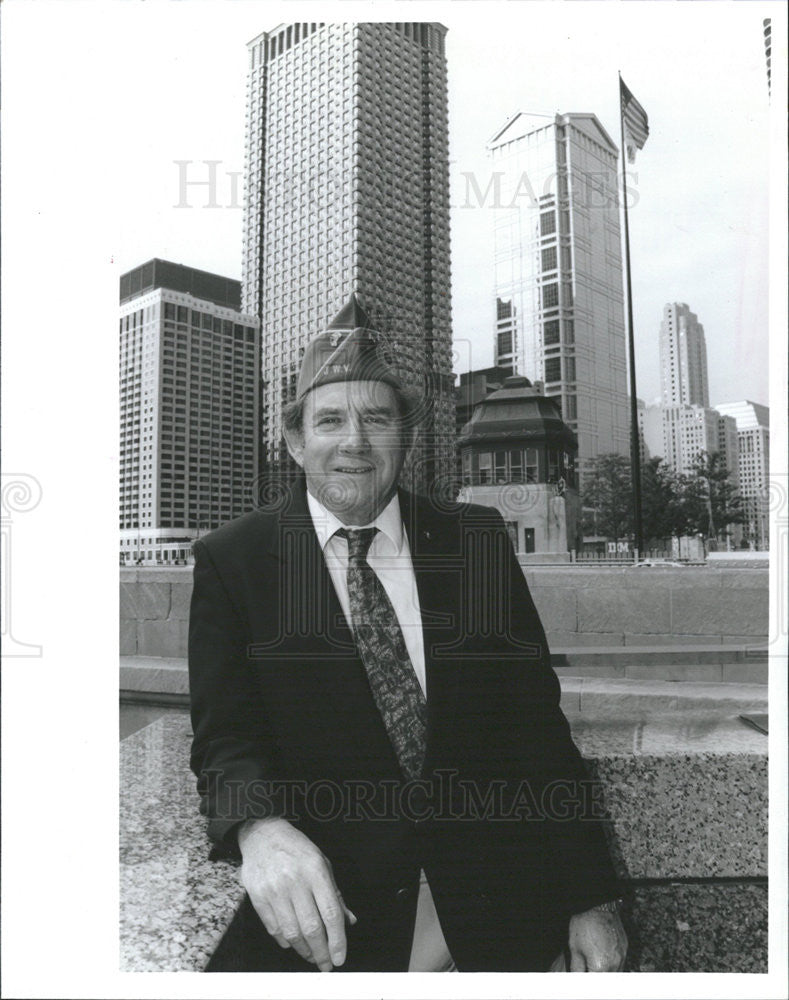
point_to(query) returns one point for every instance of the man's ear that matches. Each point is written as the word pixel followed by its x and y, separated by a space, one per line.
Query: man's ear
pixel 294 441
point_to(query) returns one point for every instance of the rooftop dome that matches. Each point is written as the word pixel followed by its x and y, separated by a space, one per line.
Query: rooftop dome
pixel 517 411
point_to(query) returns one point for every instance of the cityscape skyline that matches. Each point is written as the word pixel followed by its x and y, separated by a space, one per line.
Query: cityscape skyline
pixel 708 246
pixel 346 191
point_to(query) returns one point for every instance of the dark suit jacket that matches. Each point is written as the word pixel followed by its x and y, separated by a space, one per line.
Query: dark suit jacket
pixel 504 821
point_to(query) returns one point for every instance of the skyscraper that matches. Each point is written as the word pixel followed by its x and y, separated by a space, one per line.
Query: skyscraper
pixel 683 425
pixel 189 363
pixel 753 434
pixel 347 190
pixel 558 270
pixel 683 358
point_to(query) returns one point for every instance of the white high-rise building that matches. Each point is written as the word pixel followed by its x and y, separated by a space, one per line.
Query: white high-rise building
pixel 753 433
pixel 684 425
pixel 189 422
pixel 687 432
pixel 347 190
pixel 683 358
pixel 558 270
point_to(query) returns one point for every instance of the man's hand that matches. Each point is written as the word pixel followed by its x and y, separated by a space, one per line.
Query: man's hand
pixel 292 888
pixel 598 942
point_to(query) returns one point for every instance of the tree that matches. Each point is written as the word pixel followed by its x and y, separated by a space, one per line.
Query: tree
pixel 608 490
pixel 662 513
pixel 711 502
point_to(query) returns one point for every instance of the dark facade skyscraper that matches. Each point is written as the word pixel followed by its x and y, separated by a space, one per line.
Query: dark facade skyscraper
pixel 347 190
pixel 189 445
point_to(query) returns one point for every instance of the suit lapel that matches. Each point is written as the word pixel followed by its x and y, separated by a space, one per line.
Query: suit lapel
pixel 438 567
pixel 312 615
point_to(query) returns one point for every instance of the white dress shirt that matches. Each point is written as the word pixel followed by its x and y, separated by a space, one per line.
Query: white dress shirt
pixel 390 557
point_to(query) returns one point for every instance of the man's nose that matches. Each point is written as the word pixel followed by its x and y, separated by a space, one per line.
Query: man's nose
pixel 356 435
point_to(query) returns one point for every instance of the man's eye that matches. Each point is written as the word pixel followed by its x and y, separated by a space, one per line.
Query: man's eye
pixel 328 420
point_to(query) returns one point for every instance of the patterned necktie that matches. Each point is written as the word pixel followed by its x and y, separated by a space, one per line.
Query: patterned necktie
pixel 381 645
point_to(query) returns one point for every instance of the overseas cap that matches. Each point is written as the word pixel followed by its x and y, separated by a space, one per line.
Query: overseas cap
pixel 348 350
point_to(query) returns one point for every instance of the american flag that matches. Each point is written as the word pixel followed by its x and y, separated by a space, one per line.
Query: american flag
pixel 636 123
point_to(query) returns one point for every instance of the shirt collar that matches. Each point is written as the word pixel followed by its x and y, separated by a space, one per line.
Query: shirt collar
pixel 389 522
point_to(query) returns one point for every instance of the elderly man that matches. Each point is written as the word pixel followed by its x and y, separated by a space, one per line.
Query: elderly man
pixel 376 724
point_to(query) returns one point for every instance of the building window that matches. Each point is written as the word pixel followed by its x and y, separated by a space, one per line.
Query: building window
pixel 549 259
pixel 516 465
pixel 503 309
pixel 553 369
pixel 551 331
pixel 505 342
pixel 532 469
pixel 500 467
pixel 547 223
pixel 528 540
pixel 550 296
pixel 485 466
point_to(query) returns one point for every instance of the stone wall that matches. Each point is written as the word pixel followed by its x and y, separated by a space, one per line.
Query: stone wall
pixel 686 793
pixel 579 606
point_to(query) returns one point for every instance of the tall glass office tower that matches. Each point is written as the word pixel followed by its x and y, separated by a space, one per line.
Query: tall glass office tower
pixel 347 190
pixel 558 270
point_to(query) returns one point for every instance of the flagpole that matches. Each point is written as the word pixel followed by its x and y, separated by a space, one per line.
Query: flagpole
pixel 635 450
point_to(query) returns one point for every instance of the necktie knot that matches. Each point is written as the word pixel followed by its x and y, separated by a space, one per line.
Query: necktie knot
pixel 359 542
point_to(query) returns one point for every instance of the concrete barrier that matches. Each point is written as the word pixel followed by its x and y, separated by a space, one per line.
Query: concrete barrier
pixel 580 606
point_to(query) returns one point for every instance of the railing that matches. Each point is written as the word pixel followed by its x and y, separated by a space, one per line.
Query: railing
pixel 656 556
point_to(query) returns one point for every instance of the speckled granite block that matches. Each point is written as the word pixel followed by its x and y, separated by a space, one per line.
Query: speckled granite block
pixel 687 798
pixel 686 792
pixel 697 928
pixel 175 903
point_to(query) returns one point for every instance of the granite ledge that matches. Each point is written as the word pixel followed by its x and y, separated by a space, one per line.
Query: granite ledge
pixel 686 794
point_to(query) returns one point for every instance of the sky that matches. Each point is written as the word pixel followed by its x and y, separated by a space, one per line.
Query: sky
pixel 157 83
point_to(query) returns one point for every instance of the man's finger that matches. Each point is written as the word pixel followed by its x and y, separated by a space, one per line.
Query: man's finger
pixel 348 912
pixel 332 911
pixel 313 929
pixel 269 921
pixel 290 929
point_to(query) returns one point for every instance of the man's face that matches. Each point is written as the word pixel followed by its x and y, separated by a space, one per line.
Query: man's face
pixel 352 448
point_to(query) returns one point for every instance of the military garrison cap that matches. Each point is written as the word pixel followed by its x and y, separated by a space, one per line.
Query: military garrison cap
pixel 348 350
